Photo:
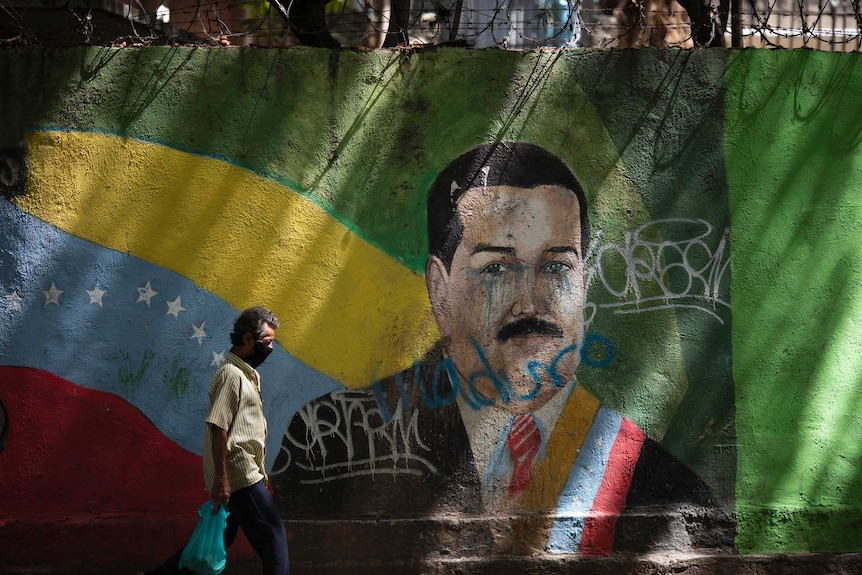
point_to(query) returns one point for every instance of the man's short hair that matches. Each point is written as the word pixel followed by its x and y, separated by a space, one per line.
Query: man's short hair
pixel 252 321
pixel 517 164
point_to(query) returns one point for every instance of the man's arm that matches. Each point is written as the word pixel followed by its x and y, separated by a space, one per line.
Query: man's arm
pixel 221 486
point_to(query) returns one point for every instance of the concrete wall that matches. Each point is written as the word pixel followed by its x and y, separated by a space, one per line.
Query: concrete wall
pixel 695 381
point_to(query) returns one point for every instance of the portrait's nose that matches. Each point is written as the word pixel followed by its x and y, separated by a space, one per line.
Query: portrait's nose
pixel 528 302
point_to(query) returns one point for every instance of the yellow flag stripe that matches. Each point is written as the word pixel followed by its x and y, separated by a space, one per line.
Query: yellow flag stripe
pixel 347 309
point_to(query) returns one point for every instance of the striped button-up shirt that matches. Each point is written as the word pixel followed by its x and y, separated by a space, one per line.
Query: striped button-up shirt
pixel 235 405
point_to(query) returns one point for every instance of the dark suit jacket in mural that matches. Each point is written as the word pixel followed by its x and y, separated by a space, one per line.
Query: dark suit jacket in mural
pixel 400 449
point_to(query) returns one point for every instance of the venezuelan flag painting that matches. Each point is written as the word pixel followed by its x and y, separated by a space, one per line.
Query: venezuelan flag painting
pixel 124 267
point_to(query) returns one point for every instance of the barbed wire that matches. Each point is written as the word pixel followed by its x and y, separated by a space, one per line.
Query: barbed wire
pixel 509 24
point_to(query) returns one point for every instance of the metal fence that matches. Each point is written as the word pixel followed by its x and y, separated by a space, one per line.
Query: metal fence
pixel 509 24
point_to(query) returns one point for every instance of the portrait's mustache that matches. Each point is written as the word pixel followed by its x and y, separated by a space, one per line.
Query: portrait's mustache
pixel 529 326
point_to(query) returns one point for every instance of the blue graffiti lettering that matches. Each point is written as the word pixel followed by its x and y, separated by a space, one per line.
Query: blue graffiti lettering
pixel 438 395
pixel 503 386
pixel 436 399
pixel 597 339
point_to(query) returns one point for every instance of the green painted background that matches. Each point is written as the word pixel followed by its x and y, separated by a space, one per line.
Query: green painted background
pixel 764 405
pixel 793 127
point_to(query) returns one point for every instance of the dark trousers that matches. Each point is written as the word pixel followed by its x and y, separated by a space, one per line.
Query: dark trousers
pixel 253 509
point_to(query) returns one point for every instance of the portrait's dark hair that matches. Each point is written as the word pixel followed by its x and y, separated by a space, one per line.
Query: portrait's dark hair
pixel 252 321
pixel 517 164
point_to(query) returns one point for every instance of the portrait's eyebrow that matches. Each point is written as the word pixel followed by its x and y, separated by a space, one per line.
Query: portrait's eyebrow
pixel 564 250
pixel 491 248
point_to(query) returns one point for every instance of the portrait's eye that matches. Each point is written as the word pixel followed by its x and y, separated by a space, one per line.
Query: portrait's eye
pixel 494 269
pixel 556 268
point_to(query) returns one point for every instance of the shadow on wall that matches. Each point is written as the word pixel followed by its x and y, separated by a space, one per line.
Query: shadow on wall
pixel 13 171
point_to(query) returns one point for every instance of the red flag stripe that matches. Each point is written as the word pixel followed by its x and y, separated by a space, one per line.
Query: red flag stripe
pixel 598 535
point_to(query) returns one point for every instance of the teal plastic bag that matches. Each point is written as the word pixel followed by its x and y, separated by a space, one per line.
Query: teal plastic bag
pixel 205 552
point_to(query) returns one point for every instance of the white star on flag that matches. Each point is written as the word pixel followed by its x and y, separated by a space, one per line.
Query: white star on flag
pixel 218 359
pixel 96 294
pixel 52 295
pixel 199 333
pixel 145 294
pixel 175 307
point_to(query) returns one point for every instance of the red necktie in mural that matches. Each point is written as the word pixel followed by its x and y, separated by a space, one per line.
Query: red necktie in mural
pixel 523 443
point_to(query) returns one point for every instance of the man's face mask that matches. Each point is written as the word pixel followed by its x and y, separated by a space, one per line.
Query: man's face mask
pixel 259 354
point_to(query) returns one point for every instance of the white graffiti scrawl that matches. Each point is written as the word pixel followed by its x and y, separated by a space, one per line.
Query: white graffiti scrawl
pixel 365 442
pixel 688 272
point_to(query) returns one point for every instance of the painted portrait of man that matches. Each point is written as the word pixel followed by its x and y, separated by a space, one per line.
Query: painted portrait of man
pixel 492 420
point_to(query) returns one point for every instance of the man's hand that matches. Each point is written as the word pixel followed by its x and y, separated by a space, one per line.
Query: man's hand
pixel 221 486
pixel 220 492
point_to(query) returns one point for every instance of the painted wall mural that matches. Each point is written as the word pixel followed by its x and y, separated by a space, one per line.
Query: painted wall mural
pixel 522 305
pixel 494 410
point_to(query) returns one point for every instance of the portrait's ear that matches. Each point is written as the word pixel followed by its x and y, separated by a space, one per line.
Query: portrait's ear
pixel 437 282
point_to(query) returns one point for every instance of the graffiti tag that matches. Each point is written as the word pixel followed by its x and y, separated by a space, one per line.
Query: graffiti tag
pixel 131 376
pixel 678 273
pixel 177 379
pixel 350 422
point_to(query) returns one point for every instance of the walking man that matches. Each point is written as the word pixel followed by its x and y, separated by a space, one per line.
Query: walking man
pixel 233 456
